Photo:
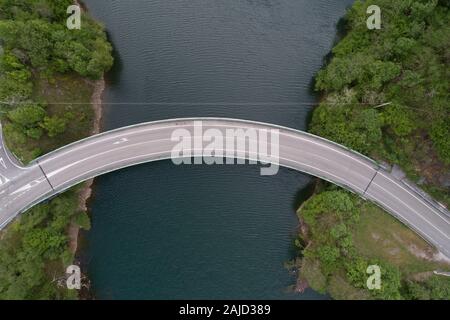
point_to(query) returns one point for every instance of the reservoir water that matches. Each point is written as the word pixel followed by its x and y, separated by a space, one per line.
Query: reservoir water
pixel 161 231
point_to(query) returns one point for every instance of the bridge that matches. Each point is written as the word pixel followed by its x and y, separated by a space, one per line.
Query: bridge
pixel 22 187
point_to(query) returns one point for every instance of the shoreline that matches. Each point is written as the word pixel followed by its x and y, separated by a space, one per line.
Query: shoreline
pixel 86 191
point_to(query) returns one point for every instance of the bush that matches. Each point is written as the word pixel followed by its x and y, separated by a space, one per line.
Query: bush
pixel 54 126
pixel 28 116
pixel 83 221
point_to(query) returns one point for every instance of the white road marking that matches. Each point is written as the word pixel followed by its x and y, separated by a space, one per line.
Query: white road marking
pixel 88 143
pixel 419 199
pixel 123 136
pixel 53 173
pixel 2 162
pixel 413 210
pixel 98 169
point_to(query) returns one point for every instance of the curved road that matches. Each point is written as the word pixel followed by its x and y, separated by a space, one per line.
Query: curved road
pixel 49 175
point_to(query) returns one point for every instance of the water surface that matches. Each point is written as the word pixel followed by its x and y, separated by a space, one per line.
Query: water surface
pixel 162 231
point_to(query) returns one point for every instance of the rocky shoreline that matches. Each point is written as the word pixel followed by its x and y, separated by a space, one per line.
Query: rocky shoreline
pixel 86 191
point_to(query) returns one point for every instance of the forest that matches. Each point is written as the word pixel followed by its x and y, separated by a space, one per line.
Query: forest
pixel 47 74
pixel 384 93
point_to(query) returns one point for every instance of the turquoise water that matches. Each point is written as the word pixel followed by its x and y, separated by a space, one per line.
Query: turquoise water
pixel 162 231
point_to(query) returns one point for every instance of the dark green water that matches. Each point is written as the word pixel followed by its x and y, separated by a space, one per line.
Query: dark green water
pixel 162 231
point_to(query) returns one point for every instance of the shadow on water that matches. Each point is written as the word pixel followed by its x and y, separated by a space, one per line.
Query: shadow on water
pixel 113 76
pixel 316 94
pixel 303 194
pixel 341 31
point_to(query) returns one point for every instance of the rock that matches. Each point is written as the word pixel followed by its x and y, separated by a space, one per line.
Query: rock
pixel 301 285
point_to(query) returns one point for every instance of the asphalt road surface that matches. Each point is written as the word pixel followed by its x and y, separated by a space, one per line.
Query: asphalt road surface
pixel 51 174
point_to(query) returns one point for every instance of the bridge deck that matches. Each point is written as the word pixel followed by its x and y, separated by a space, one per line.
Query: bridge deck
pixel 72 164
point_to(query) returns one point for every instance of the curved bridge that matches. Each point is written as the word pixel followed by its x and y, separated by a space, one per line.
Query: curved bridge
pixel 51 174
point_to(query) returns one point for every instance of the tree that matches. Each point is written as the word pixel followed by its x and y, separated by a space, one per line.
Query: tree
pixel 34 133
pixel 54 126
pixel 82 220
pixel 35 45
pixel 440 131
pixel 359 129
pixel 27 116
pixel 400 119
pixel 14 79
pixel 405 64
pixel 328 256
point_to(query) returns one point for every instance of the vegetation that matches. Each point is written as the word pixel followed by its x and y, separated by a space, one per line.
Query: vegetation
pixel 36 31
pixel 385 94
pixel 83 221
pixel 386 91
pixel 34 251
pixel 46 84
pixel 346 234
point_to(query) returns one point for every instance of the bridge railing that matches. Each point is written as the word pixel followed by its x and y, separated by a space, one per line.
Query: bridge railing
pixel 307 134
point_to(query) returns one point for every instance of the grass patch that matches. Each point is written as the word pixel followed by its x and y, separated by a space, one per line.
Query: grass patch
pixel 379 235
pixel 342 235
